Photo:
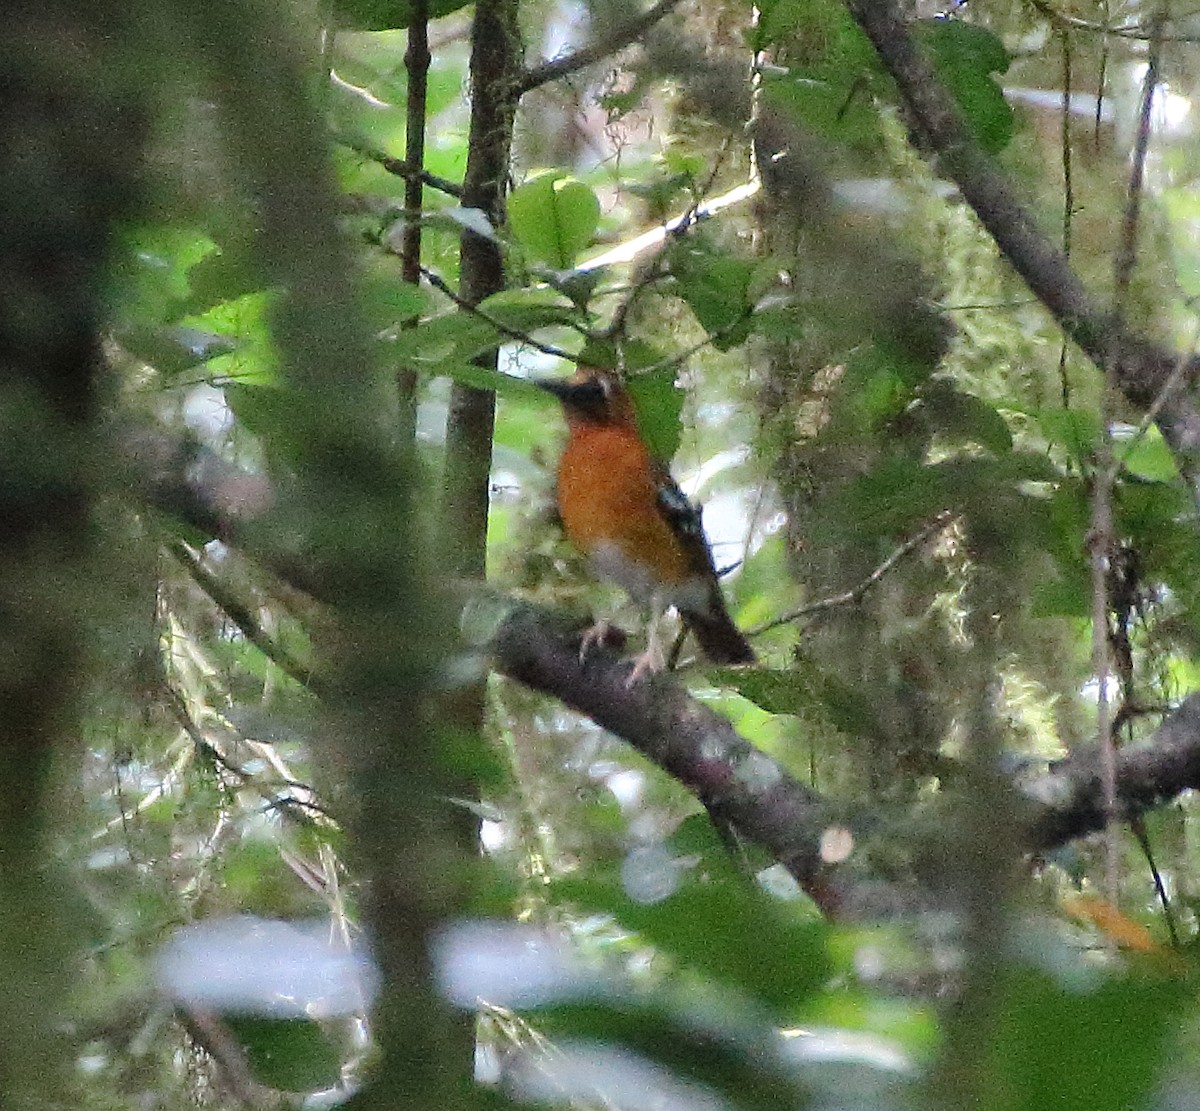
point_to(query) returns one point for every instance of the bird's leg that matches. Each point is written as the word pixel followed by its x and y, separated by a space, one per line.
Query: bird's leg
pixel 653 659
pixel 596 633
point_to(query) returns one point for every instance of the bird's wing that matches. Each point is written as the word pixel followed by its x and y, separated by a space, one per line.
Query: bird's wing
pixel 684 519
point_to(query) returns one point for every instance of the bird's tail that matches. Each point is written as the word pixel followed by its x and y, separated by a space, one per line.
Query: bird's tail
pixel 719 637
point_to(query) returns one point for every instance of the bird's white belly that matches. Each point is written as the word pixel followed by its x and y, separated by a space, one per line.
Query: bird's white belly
pixel 610 562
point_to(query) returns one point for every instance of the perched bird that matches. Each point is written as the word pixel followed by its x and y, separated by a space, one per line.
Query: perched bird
pixel 621 508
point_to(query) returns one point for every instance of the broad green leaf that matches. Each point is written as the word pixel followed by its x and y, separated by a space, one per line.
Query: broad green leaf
pixel 455 338
pixel 1074 430
pixel 387 15
pixel 153 269
pixel 827 102
pixel 1147 456
pixel 828 38
pixel 553 218
pixel 529 309
pixel 222 277
pixel 965 56
pixel 706 927
pixel 174 349
pixel 960 416
pixel 630 355
pixel 452 337
pixel 658 402
pixel 1060 1047
pixel 485 378
pixel 777 690
pixel 805 688
pixel 716 289
pixel 387 300
pixel 292 1055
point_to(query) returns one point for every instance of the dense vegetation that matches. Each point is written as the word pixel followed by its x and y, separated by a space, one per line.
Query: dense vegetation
pixel 289 635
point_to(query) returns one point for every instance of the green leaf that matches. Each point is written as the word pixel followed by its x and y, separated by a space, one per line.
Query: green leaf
pixel 965 56
pixel 387 299
pixel 485 378
pixel 804 688
pixel 963 417
pixel 658 402
pixel 222 277
pixel 387 15
pixel 734 933
pixel 716 288
pixel 174 349
pixel 553 218
pixel 782 690
pixel 1059 1048
pixel 1076 431
pixel 291 1055
pixel 455 338
pixel 1147 456
pixel 629 355
pixel 826 101
pixel 527 310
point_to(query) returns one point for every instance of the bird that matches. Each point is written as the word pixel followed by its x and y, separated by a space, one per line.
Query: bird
pixel 622 509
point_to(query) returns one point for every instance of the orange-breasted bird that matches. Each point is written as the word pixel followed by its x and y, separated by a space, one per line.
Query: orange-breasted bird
pixel 622 509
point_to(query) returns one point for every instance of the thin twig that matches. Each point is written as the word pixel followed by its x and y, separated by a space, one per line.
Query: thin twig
pixel 416 64
pixel 241 615
pixel 440 283
pixel 856 594
pixel 1102 539
pixel 1068 198
pixel 599 48
pixel 399 166
pixel 1137 30
pixel 651 269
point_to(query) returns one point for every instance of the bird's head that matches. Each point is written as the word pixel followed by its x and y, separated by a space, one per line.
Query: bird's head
pixel 592 396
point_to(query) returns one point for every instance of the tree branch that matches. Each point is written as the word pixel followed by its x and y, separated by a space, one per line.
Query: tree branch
pixel 240 613
pixel 856 593
pixel 601 47
pixel 736 782
pixel 1070 798
pixel 399 167
pixel 1141 367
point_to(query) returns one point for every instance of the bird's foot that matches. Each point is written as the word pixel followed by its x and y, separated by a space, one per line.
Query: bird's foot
pixel 603 634
pixel 649 662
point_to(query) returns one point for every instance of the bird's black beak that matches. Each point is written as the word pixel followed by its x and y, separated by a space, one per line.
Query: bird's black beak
pixel 588 397
pixel 560 387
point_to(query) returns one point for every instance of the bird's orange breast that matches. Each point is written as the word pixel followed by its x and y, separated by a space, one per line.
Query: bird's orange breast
pixel 608 499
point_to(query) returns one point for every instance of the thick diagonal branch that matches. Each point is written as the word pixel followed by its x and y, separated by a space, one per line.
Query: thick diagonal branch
pixel 736 782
